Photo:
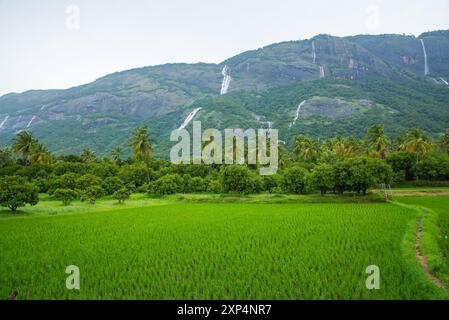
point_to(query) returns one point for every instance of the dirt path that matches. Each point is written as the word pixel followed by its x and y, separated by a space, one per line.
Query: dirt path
pixel 422 259
pixel 420 192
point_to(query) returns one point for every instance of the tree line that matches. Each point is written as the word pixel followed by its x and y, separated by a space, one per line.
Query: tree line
pixel 337 165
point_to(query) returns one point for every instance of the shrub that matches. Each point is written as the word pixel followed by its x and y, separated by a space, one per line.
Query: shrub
pixel 92 194
pixel 169 184
pixel 195 185
pixel 112 184
pixel 122 195
pixel 239 179
pixel 17 192
pixel 322 178
pixel 294 180
pixel 86 181
pixel 65 195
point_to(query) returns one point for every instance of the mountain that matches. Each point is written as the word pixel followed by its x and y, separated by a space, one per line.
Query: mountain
pixel 322 86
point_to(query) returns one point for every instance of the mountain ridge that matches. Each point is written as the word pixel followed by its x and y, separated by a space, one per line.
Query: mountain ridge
pixel 164 95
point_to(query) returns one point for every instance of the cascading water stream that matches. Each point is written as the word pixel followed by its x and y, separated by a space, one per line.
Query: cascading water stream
pixel 4 121
pixel 313 52
pixel 298 111
pixel 189 118
pixel 31 121
pixel 426 64
pixel 226 80
pixel 322 73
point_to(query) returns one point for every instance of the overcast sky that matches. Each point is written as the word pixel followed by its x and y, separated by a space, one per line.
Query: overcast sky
pixel 58 44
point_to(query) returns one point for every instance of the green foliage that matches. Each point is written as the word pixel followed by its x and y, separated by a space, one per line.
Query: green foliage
pixel 295 180
pixel 239 179
pixel 322 178
pixel 169 184
pixel 121 195
pixel 112 184
pixel 65 195
pixel 87 180
pixel 16 192
pixel 92 194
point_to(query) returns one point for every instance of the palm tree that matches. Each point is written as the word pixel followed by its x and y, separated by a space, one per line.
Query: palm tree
pixel 140 144
pixel 116 154
pixel 40 155
pixel 416 142
pixel 444 142
pixel 377 141
pixel 88 156
pixel 23 144
pixel 306 147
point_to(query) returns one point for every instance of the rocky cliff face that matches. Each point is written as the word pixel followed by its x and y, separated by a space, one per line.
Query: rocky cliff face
pixel 101 114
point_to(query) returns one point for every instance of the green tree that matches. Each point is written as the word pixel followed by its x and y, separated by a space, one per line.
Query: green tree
pixel 17 192
pixel 6 157
pixel 23 144
pixel 92 194
pixel 307 148
pixel 112 184
pixel 88 156
pixel 116 154
pixel 140 144
pixel 169 184
pixel 444 142
pixel 295 180
pixel 239 179
pixel 40 155
pixel 65 195
pixel 322 178
pixel 377 141
pixel 121 195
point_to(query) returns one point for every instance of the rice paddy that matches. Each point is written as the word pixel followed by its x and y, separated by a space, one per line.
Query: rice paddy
pixel 214 251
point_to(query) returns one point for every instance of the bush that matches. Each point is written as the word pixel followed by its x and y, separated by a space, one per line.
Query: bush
pixel 214 186
pixel 239 179
pixel 65 195
pixel 169 184
pixel 195 185
pixel 92 194
pixel 322 178
pixel 86 181
pixel 122 195
pixel 112 184
pixel 294 180
pixel 17 192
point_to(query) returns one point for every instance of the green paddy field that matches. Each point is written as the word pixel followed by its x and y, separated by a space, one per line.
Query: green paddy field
pixel 188 247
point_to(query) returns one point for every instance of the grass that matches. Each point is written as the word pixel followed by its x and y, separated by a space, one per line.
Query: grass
pixel 437 211
pixel 166 249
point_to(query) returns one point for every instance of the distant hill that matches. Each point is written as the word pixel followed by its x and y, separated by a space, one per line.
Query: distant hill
pixel 343 85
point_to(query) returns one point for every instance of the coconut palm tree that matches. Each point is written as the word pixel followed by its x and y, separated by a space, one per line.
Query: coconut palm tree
pixel 377 141
pixel 88 156
pixel 416 142
pixel 444 142
pixel 116 154
pixel 23 144
pixel 40 155
pixel 140 144
pixel 306 147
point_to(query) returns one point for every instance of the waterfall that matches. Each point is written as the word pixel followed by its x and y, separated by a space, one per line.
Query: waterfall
pixel 322 74
pixel 426 64
pixel 313 52
pixel 226 80
pixel 298 111
pixel 189 118
pixel 3 122
pixel 444 81
pixel 31 121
